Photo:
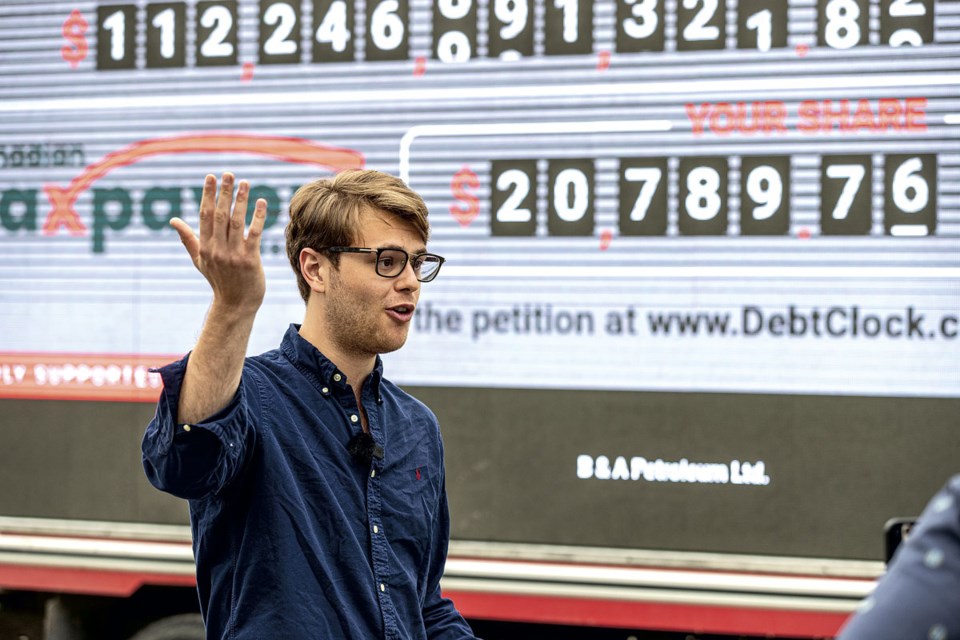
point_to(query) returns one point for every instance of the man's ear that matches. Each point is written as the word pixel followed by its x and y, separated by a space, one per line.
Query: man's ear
pixel 314 268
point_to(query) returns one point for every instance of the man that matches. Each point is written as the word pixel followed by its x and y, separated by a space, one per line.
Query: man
pixel 316 487
pixel 919 597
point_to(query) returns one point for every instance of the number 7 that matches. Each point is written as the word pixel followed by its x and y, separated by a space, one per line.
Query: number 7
pixel 853 174
pixel 650 177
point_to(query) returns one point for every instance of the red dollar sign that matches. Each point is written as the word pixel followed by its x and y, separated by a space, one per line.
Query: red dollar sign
pixel 73 29
pixel 468 205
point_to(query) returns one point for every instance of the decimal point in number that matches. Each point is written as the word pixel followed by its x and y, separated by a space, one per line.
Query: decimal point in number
pixel 802 50
pixel 419 67
pixel 603 61
pixel 246 72
pixel 606 237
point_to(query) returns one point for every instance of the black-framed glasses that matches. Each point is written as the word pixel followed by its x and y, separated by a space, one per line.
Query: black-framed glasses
pixel 391 262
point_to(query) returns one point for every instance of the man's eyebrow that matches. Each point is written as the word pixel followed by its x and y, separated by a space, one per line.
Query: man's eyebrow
pixel 421 249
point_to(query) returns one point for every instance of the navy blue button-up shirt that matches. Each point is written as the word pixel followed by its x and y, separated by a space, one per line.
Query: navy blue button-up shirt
pixel 293 537
pixel 919 597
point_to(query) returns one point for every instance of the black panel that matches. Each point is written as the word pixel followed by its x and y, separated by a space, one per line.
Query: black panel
pixel 838 467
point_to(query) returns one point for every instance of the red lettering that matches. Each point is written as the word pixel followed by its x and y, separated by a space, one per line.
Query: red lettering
pixel 776 115
pixel 885 114
pixel 724 118
pixel 62 213
pixel 916 114
pixel 697 117
pixel 809 113
pixel 721 119
pixel 839 117
pixel 863 117
pixel 890 114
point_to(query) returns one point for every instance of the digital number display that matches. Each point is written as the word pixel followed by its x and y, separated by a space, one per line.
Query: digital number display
pixel 507 31
pixel 845 186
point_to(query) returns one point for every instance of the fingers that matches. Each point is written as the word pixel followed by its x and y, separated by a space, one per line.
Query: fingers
pixel 221 214
pixel 256 226
pixel 189 240
pixel 239 217
pixel 207 206
pixel 222 220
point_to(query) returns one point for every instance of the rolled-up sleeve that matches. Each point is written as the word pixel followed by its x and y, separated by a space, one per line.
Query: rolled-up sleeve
pixel 195 460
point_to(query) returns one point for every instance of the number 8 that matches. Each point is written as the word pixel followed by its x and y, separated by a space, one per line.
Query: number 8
pixel 842 30
pixel 703 186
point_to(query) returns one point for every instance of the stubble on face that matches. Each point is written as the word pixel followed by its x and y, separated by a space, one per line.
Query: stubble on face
pixel 355 320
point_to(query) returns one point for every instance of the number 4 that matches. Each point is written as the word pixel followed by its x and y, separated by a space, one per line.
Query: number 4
pixel 333 30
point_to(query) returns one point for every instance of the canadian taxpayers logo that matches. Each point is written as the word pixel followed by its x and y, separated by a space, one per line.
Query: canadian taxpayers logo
pixel 113 209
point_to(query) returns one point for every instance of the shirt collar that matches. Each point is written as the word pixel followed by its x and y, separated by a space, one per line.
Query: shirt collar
pixel 308 359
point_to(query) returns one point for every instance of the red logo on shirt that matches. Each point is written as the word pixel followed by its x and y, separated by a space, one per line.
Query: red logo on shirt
pixel 418 473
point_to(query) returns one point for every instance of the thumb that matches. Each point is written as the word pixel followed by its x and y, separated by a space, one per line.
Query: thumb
pixel 187 237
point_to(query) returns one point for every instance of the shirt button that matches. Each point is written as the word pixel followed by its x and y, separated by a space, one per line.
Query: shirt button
pixel 373 473
pixel 354 418
pixel 383 587
pixel 376 529
pixel 187 428
pixel 337 377
pixel 325 390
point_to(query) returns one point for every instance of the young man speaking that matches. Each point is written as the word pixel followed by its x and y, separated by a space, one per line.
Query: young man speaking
pixel 316 487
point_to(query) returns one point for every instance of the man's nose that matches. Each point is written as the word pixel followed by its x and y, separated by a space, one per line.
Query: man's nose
pixel 407 280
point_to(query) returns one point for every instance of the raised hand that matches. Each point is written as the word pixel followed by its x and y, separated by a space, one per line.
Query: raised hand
pixel 228 259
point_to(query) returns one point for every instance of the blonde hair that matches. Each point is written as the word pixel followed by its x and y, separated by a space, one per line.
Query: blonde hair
pixel 327 212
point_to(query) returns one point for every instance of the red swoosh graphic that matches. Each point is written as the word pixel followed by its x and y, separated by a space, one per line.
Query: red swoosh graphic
pixel 286 149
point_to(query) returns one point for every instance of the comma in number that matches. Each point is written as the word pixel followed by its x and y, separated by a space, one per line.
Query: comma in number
pixel 603 61
pixel 606 237
pixel 419 66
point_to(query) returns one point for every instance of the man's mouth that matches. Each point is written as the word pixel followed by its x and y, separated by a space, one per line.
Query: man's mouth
pixel 401 312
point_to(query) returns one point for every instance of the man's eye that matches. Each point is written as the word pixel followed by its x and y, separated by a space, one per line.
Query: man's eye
pixel 386 262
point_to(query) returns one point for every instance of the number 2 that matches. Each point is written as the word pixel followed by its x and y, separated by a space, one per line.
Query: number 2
pixel 698 29
pixel 219 19
pixel 510 210
pixel 283 18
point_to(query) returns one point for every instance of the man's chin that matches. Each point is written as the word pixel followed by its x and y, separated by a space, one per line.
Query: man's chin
pixel 393 344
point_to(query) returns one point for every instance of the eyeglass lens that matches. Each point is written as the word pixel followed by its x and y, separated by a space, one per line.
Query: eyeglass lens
pixel 391 262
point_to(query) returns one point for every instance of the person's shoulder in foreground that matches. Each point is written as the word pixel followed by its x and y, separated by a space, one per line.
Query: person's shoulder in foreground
pixel 919 597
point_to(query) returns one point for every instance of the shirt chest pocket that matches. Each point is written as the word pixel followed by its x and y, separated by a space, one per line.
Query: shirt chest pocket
pixel 410 500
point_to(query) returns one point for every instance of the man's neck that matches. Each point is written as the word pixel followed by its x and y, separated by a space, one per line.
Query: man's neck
pixel 357 368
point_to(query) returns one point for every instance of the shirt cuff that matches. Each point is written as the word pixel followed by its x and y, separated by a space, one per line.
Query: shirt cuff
pixel 166 419
pixel 172 376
